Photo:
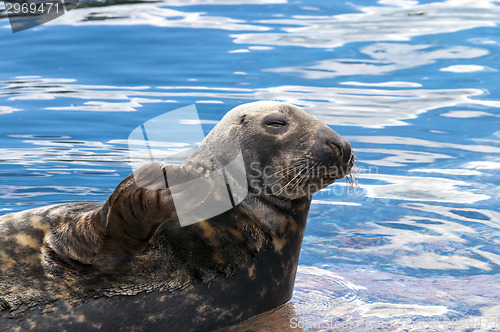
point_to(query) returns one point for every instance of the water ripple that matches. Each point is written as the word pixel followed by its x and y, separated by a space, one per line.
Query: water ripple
pixel 395 21
pixel 333 105
pixel 385 58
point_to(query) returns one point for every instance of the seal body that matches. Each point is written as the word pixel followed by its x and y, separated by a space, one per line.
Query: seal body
pixel 128 264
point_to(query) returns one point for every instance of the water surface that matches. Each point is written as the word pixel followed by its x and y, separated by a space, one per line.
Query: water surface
pixel 413 86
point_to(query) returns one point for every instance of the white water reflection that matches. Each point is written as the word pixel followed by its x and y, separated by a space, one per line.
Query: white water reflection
pixel 101 106
pixel 423 189
pixel 483 165
pixel 417 242
pixel 22 192
pixel 8 109
pixel 68 152
pixel 385 58
pixel 371 108
pixel 155 14
pixel 466 69
pixel 489 218
pixel 393 21
pixel 59 151
pixel 391 84
pixel 448 171
pixel 424 243
pixel 397 158
pixel 421 142
pixel 388 310
pixel 377 106
pixel 152 14
pixel 429 260
pixel 62 153
pixel 468 114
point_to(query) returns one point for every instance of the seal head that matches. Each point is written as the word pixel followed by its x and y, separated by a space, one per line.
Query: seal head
pixel 288 152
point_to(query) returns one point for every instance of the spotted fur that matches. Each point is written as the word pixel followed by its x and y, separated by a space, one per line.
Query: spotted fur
pixel 127 264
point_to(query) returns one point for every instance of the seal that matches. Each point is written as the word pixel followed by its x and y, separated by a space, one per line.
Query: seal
pixel 128 264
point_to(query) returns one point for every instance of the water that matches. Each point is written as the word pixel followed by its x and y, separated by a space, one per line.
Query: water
pixel 413 85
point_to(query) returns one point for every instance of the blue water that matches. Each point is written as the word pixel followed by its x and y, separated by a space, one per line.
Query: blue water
pixel 413 86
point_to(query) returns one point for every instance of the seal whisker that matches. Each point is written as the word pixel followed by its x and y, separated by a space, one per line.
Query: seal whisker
pixel 292 171
pixel 289 170
pixel 351 178
pixel 302 162
pixel 302 177
pixel 301 180
pixel 286 185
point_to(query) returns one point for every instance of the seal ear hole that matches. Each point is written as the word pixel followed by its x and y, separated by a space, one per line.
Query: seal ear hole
pixel 242 119
pixel 284 110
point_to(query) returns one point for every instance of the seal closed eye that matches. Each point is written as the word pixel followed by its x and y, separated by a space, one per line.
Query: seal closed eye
pixel 128 264
pixel 275 120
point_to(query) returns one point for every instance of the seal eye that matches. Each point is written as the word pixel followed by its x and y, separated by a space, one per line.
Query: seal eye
pixel 276 123
pixel 275 120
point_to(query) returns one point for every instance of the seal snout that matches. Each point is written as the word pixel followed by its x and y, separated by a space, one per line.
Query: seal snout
pixel 344 147
pixel 329 140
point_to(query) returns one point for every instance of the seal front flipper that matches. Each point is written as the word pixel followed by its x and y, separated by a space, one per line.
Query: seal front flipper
pixel 104 239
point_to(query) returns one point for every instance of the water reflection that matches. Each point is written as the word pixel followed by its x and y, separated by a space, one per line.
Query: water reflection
pixel 430 189
pixel 458 171
pixel 424 143
pixel 362 107
pixel 393 21
pixel 398 158
pixel 466 69
pixel 421 237
pixel 385 58
pixel 21 192
pixel 155 14
pixel 468 114
pixel 487 217
pixel 7 109
pixel 137 12
pixel 375 300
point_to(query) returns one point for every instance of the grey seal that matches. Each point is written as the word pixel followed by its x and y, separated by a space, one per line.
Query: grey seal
pixel 128 264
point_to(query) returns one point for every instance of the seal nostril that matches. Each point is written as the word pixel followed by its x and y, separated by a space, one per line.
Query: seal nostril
pixel 336 149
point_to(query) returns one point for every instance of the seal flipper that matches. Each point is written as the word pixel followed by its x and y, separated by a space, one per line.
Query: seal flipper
pixel 107 237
